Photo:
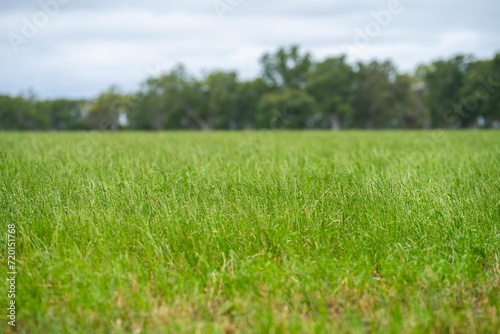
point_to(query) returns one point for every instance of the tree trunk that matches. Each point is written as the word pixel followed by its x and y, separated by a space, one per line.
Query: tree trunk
pixel 114 124
pixel 427 123
pixel 369 124
pixel 204 125
pixel 248 126
pixel 334 122
pixel 158 121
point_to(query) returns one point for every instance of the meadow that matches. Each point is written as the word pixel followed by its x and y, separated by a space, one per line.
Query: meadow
pixel 265 232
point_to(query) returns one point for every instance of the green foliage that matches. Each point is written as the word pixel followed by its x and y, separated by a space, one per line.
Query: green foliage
pixel 296 232
pixel 104 112
pixel 331 83
pixel 444 79
pixel 286 69
pixel 287 109
pixel 20 113
pixel 221 100
pixel 460 92
pixel 479 96
pixel 373 92
pixel 407 101
pixel 163 101
pixel 64 114
pixel 249 94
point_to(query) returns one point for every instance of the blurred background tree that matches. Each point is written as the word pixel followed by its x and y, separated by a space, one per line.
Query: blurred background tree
pixel 292 92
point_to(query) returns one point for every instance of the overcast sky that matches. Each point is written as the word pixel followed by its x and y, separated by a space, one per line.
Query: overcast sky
pixel 76 48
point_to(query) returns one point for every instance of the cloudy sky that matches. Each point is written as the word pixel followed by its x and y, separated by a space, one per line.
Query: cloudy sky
pixel 77 48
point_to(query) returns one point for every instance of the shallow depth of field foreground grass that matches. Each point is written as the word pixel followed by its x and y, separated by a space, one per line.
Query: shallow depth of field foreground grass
pixel 253 232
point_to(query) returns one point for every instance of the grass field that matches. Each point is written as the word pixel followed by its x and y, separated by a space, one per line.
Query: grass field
pixel 276 232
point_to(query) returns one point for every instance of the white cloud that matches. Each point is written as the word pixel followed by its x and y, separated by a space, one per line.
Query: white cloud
pixel 90 45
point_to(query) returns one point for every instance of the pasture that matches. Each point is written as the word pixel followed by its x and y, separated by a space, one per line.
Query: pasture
pixel 266 232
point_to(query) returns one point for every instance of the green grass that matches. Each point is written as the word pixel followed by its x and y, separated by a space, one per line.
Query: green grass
pixel 276 232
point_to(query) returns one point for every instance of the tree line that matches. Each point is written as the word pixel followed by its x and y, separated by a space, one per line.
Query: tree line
pixel 292 92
